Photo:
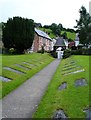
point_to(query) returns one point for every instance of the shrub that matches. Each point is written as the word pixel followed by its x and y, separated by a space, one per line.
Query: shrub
pixel 67 53
pixel 12 51
pixel 83 51
pixel 42 50
pixel 54 54
pixel 76 52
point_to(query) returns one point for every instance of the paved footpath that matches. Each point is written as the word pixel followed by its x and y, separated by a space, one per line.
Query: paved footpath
pixel 22 102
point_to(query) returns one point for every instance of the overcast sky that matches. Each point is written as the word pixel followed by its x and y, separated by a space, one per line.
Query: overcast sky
pixel 44 11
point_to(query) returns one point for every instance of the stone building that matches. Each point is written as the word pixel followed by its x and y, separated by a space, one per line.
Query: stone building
pixel 41 39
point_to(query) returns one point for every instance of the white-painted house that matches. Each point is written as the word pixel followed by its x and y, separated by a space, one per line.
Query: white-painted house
pixel 77 39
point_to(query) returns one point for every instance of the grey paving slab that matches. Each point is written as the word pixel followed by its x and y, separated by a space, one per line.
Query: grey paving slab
pixel 22 102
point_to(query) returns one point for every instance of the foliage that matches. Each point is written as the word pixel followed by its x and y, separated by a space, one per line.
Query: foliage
pixel 18 33
pixel 70 30
pixel 84 26
pixel 56 29
pixel 54 54
pixel 38 25
pixel 67 53
pixel 64 35
pixel 83 51
pixel 76 52
pixel 42 50
pixel 12 51
pixel 70 35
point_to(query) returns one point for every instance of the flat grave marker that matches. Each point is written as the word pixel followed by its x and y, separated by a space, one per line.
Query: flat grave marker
pixel 5 79
pixel 13 70
pixel 21 66
pixel 59 114
pixel 62 86
pixel 78 71
pixel 80 82
pixel 88 113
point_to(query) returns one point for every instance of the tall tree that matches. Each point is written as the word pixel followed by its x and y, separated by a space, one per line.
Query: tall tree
pixel 18 33
pixel 84 26
pixel 56 29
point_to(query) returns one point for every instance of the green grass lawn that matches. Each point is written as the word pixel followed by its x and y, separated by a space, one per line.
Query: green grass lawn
pixel 37 61
pixel 70 35
pixel 72 99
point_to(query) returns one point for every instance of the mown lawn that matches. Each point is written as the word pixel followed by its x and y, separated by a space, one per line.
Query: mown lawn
pixel 37 61
pixel 73 100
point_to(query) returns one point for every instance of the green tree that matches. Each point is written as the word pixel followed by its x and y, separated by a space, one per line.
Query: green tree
pixel 56 29
pixel 64 35
pixel 18 33
pixel 84 26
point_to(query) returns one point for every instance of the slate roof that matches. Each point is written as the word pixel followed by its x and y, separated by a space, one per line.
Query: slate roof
pixel 42 34
pixel 60 42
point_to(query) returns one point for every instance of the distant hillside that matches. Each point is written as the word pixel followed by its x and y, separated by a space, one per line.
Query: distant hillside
pixel 49 31
pixel 70 35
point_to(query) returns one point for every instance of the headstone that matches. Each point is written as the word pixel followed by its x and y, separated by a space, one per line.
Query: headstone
pixel 78 71
pixel 88 113
pixel 68 65
pixel 80 82
pixel 69 68
pixel 4 79
pixel 21 66
pixel 63 86
pixel 13 70
pixel 59 114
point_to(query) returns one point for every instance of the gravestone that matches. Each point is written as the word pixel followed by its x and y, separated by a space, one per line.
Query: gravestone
pixel 69 65
pixel 63 86
pixel 88 113
pixel 59 114
pixel 28 63
pixel 4 79
pixel 69 68
pixel 13 70
pixel 21 66
pixel 72 62
pixel 78 71
pixel 80 82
